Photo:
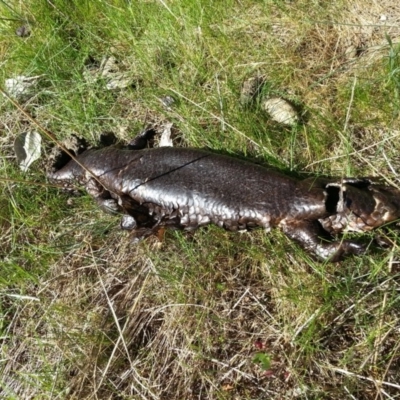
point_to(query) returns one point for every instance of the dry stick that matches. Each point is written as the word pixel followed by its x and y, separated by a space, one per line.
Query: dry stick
pixel 391 361
pixel 238 301
pixel 238 371
pixel 387 395
pixel 221 106
pixel 169 10
pixel 361 299
pixel 388 162
pixel 264 309
pixel 20 297
pixel 347 138
pixel 375 381
pixel 309 320
pixel 347 390
pixel 30 182
pixel 346 123
pixel 49 134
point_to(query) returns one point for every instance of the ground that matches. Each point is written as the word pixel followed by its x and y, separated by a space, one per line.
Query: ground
pixel 211 315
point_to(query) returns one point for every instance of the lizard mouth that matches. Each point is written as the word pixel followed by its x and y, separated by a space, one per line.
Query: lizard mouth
pixel 357 207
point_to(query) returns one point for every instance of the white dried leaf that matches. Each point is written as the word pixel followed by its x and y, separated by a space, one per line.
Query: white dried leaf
pixel 27 148
pixel 109 71
pixel 108 67
pixel 21 86
pixel 90 75
pixel 350 52
pixel 119 81
pixel 165 140
pixel 281 111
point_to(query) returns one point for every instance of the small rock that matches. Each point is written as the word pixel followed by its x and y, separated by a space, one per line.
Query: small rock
pixel 23 31
pixel 281 111
pixel 167 101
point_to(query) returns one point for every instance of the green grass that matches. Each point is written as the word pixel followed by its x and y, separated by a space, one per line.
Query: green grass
pixel 211 315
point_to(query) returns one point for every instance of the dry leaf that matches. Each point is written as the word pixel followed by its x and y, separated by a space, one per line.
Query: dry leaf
pixel 27 148
pixel 165 140
pixel 21 86
pixel 110 72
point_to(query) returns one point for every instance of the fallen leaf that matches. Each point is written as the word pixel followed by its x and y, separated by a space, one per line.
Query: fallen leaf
pixel 21 86
pixel 27 148
pixel 109 70
pixel 165 140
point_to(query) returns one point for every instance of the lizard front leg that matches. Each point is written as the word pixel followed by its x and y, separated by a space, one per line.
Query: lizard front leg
pixel 307 235
pixel 103 197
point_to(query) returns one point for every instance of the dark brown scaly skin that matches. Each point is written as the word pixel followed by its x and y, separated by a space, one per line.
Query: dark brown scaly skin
pixel 188 188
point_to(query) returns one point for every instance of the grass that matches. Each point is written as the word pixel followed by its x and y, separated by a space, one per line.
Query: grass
pixel 210 315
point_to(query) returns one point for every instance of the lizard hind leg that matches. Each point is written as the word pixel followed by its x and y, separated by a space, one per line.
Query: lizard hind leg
pixel 128 223
pixel 138 233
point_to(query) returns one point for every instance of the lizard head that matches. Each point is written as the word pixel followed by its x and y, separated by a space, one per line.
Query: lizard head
pixel 67 177
pixel 359 205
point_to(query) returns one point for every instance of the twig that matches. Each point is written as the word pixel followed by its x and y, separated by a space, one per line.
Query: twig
pixel 11 180
pixel 346 123
pixel 221 106
pixel 298 330
pixel 375 381
pixel 241 373
pixel 239 300
pixel 388 162
pixel 169 10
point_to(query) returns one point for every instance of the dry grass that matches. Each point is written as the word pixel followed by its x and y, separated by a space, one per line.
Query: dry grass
pixel 214 315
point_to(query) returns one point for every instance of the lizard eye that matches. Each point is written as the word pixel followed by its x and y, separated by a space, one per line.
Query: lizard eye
pixel 348 202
